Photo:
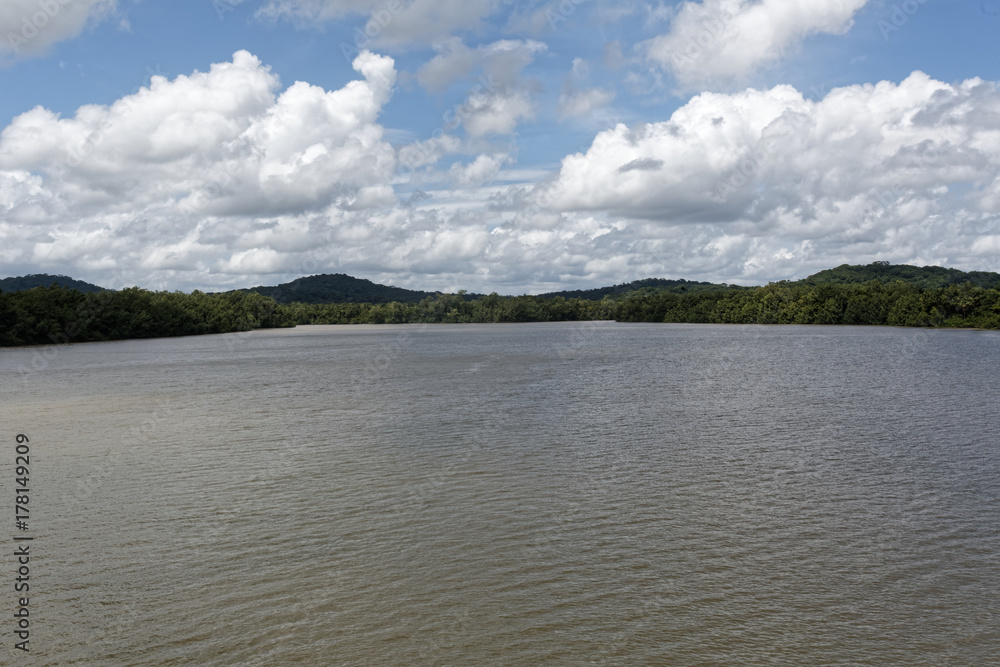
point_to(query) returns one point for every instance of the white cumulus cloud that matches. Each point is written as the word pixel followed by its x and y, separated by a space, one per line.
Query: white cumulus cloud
pixel 483 169
pixel 189 168
pixel 903 170
pixel 228 178
pixel 717 42
pixel 495 112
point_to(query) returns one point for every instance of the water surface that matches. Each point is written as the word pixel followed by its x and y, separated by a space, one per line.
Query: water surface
pixel 562 494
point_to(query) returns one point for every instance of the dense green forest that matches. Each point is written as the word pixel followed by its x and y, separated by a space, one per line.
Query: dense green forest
pixel 921 276
pixel 873 302
pixel 55 314
pixel 658 284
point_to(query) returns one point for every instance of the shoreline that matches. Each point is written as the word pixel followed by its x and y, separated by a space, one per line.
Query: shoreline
pixel 459 324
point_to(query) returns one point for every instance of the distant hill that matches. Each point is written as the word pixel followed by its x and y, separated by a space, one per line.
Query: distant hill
pixel 338 288
pixel 44 280
pixel 341 288
pixel 927 277
pixel 649 284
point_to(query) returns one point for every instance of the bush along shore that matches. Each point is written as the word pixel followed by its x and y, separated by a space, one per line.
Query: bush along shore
pixel 47 315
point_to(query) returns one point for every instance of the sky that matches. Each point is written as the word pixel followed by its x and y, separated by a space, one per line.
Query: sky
pixel 495 145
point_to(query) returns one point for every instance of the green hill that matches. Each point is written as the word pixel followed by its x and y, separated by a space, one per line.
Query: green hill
pixel 927 277
pixel 876 294
pixel 648 284
pixel 338 288
pixel 44 280
pixel 341 288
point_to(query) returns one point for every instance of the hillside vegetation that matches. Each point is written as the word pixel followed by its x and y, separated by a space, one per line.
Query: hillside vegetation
pixel 649 284
pixel 927 277
pixel 337 288
pixel 55 314
pixel 45 280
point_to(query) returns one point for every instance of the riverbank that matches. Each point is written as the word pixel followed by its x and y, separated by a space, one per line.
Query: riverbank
pixel 56 315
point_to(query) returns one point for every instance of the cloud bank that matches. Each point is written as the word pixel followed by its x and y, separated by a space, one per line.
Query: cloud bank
pixel 225 178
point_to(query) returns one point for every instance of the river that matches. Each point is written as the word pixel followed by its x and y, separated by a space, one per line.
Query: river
pixel 558 494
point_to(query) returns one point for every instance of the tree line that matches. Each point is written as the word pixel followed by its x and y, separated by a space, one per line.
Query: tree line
pixel 54 314
pixel 870 303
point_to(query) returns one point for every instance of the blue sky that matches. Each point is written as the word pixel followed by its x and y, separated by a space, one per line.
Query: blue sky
pixel 495 146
